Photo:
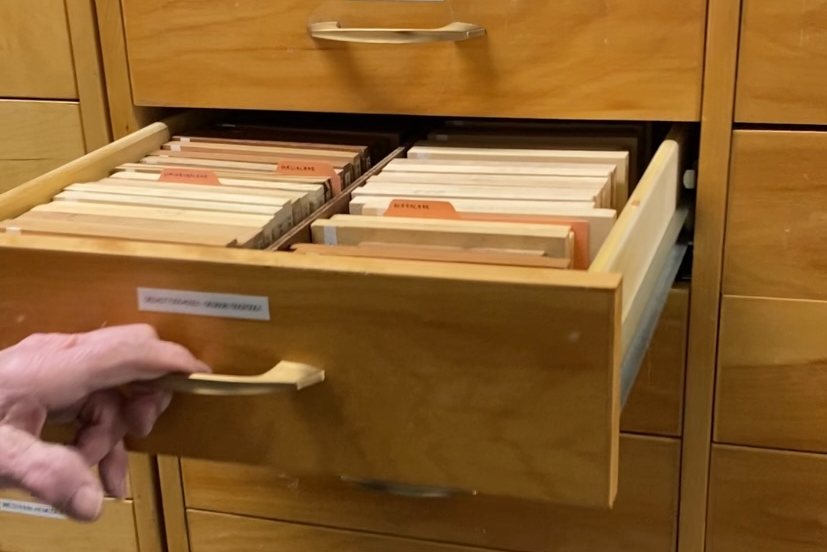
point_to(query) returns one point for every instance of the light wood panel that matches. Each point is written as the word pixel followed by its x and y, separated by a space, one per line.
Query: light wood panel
pixel 782 66
pixel 776 223
pixel 767 501
pixel 36 137
pixel 35 51
pixel 88 72
pixel 608 59
pixel 224 533
pixel 772 374
pixel 723 18
pixel 114 531
pixel 430 420
pixel 124 117
pixel 655 405
pixel 643 519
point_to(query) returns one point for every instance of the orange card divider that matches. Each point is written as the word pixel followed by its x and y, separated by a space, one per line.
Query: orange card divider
pixel 189 176
pixel 445 210
pixel 300 167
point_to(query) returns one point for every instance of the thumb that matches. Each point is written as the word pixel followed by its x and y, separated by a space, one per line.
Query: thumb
pixel 55 474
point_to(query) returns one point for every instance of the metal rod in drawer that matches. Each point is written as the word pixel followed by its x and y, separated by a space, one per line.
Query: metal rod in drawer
pixel 639 345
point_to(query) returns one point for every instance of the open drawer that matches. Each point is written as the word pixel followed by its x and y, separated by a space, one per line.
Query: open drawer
pixel 496 380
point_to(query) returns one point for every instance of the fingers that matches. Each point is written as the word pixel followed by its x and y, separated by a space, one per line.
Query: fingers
pixel 143 408
pixel 112 470
pixel 54 474
pixel 107 417
pixel 122 354
pixel 61 370
pixel 103 426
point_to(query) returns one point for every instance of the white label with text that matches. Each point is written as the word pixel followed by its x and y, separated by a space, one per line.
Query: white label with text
pixel 29 509
pixel 220 305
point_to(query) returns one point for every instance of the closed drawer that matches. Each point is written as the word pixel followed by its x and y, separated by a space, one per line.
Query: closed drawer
pixel 453 394
pixel 655 404
pixel 782 63
pixel 28 526
pixel 772 373
pixel 36 137
pixel 612 59
pixel 763 500
pixel 777 200
pixel 35 50
pixel 643 520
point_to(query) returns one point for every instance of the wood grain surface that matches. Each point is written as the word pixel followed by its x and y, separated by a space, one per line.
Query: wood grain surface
pixel 36 137
pixel 643 518
pixel 422 385
pixel 606 59
pixel 776 223
pixel 766 501
pixel 782 64
pixel 35 51
pixel 772 373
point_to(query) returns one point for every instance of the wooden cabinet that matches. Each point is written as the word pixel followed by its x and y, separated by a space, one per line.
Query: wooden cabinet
pixel 775 226
pixel 782 63
pixel 642 520
pixel 766 500
pixel 604 59
pixel 36 51
pixel 36 137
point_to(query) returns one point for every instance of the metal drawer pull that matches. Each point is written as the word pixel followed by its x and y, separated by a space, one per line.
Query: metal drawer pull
pixel 453 32
pixel 400 489
pixel 284 376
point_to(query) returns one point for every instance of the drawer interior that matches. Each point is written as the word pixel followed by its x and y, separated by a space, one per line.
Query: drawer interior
pixel 424 381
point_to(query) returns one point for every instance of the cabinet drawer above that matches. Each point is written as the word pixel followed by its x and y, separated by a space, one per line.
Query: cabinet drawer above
pixel 589 59
pixel 499 380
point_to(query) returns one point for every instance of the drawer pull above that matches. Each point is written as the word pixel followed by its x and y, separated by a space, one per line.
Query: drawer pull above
pixel 453 32
pixel 401 489
pixel 283 376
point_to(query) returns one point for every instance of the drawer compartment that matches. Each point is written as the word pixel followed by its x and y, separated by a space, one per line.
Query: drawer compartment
pixel 643 519
pixel 35 52
pixel 36 137
pixel 772 373
pixel 499 380
pixel 766 500
pixel 782 63
pixel 594 59
pixel 28 526
pixel 775 225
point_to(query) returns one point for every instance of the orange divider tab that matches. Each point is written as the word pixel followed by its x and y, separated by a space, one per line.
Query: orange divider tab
pixel 311 168
pixel 189 176
pixel 445 210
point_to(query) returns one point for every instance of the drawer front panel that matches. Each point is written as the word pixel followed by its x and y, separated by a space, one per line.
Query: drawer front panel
pixel 642 520
pixel 772 373
pixel 782 64
pixel 765 501
pixel 608 59
pixel 445 414
pixel 36 137
pixel 212 532
pixel 775 226
pixel 35 50
pixel 27 532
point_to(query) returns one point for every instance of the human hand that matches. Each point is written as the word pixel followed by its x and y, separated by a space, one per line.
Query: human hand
pixel 93 379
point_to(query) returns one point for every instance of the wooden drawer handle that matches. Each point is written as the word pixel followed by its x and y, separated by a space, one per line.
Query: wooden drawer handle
pixel 284 376
pixel 453 32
